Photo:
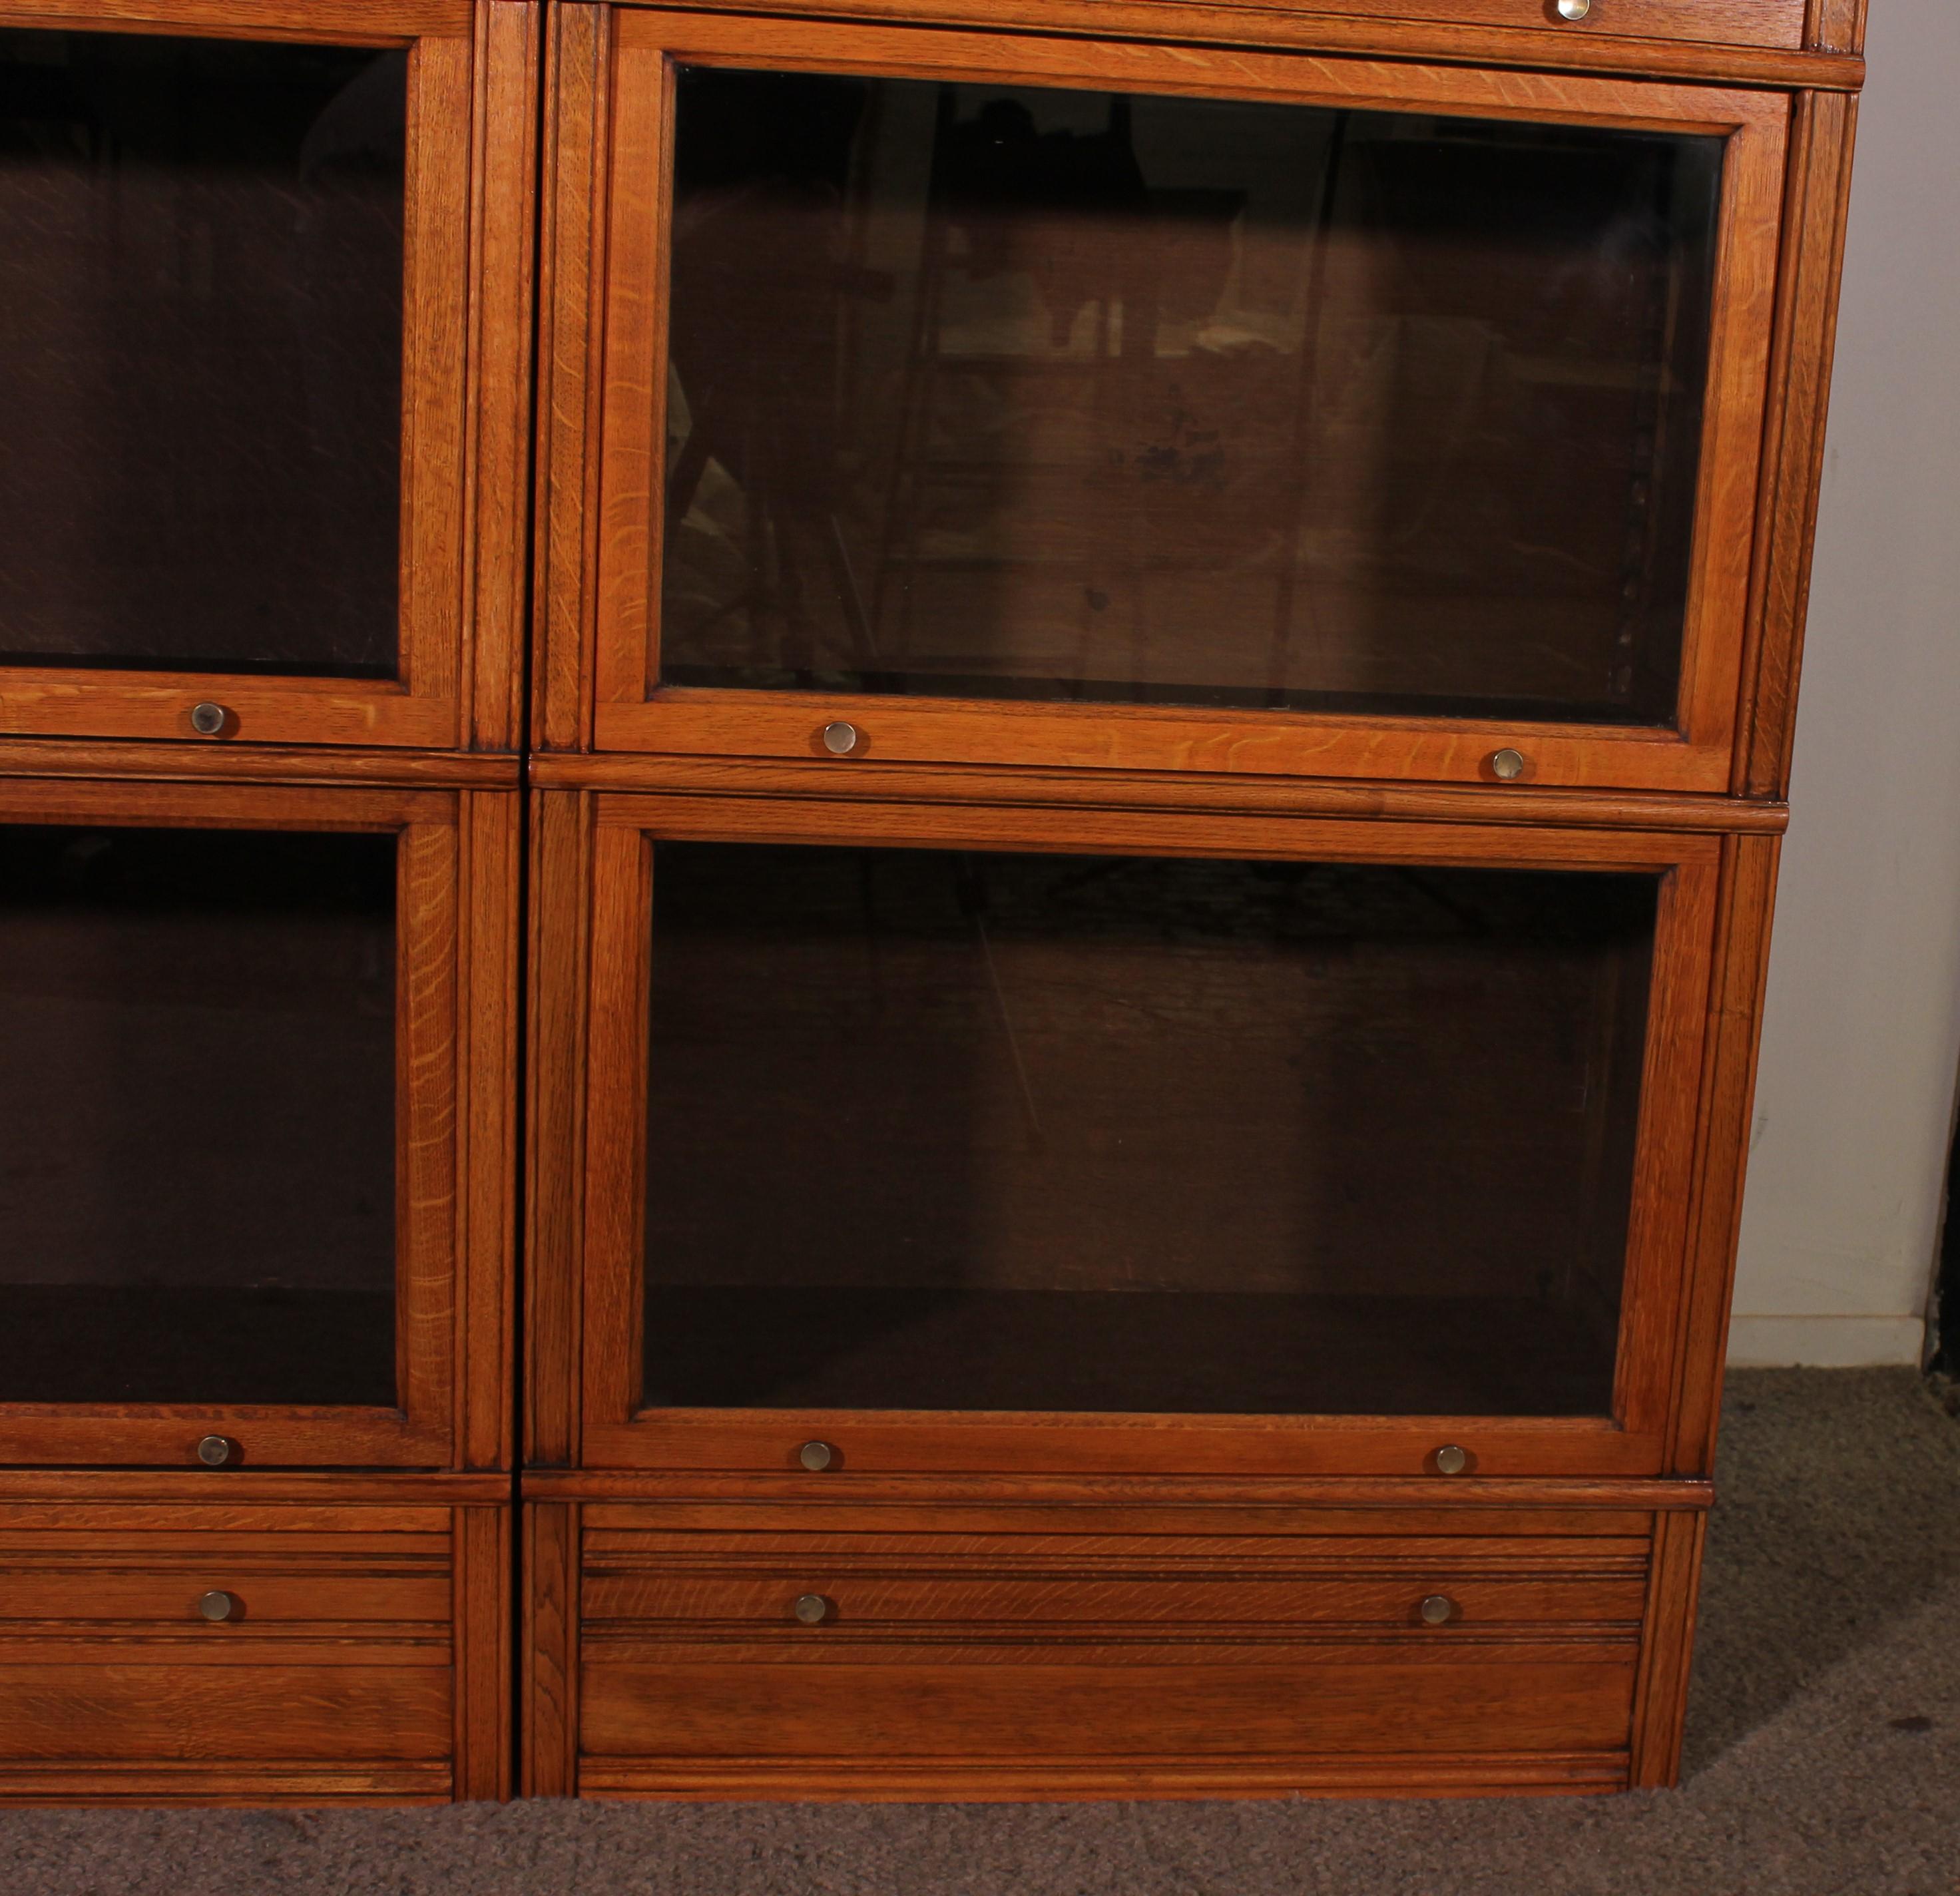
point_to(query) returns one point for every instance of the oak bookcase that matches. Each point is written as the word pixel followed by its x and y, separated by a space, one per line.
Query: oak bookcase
pixel 886 889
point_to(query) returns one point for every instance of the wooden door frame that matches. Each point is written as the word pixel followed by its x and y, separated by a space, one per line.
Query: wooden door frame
pixel 591 937
pixel 611 163
pixel 456 953
pixel 466 282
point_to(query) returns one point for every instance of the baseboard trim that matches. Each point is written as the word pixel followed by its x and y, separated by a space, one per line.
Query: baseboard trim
pixel 1824 1342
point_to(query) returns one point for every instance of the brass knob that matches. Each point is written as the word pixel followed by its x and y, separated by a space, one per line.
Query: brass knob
pixel 1451 1460
pixel 1438 1610
pixel 1508 764
pixel 817 1456
pixel 207 719
pixel 1574 9
pixel 840 739
pixel 812 1609
pixel 218 1605
pixel 215 1450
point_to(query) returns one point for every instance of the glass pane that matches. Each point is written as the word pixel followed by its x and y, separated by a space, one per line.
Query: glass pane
pixel 197 1114
pixel 1025 393
pixel 200 353
pixel 996 1131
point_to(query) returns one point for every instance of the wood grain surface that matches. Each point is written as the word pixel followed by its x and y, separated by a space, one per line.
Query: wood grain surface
pixel 423 1430
pixel 272 765
pixel 489 1011
pixel 547 1724
pixel 497 465
pixel 485 1696
pixel 467 195
pixel 572 276
pixel 338 22
pixel 1819 189
pixel 559 924
pixel 1728 1094
pixel 333 1677
pixel 609 1173
pixel 630 715
pixel 1073 1655
pixel 1546 42
pixel 1034 1604
pixel 1667 1644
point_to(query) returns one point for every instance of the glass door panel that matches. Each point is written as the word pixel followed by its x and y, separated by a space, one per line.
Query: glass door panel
pixel 987 1131
pixel 197 1113
pixel 998 391
pixel 200 354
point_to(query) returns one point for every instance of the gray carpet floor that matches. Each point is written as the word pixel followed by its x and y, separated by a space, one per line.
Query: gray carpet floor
pixel 1823 1754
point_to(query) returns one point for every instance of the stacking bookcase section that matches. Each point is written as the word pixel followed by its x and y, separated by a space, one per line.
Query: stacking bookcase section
pixel 264 313
pixel 1060 1141
pixel 982 400
pixel 1164 666
pixel 1005 1648
pixel 256 1055
pixel 1042 1300
pixel 252 1650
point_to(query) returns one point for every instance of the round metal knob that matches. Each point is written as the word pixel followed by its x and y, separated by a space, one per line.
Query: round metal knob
pixel 218 1605
pixel 1574 9
pixel 817 1456
pixel 1507 764
pixel 812 1609
pixel 1451 1460
pixel 207 719
pixel 1438 1610
pixel 215 1450
pixel 840 739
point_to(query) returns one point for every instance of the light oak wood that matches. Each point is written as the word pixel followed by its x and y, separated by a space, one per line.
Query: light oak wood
pixel 366 1658
pixel 488 1010
pixel 212 1498
pixel 1199 1659
pixel 1836 26
pixel 1541 43
pixel 1728 1091
pixel 140 762
pixel 1035 1706
pixel 340 22
pixel 559 923
pixel 497 466
pixel 1819 194
pixel 773 726
pixel 256 1785
pixel 572 269
pixel 448 1312
pixel 1025 1605
pixel 485 1702
pixel 371 1710
pixel 156 705
pixel 470 191
pixel 880 1605
pixel 850 782
pixel 1660 1703
pixel 607 1163
pixel 1013 1779
pixel 1726 23
pixel 631 714
pixel 977 1502
pixel 549 1723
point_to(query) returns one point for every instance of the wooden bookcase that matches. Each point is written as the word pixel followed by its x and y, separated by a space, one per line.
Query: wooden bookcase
pixel 261 796
pixel 1016 772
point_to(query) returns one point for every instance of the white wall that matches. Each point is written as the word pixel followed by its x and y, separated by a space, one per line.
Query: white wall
pixel 1861 1040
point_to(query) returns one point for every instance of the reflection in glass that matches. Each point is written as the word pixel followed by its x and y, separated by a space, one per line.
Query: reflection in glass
pixel 201 245
pixel 993 1131
pixel 1005 391
pixel 197 1113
